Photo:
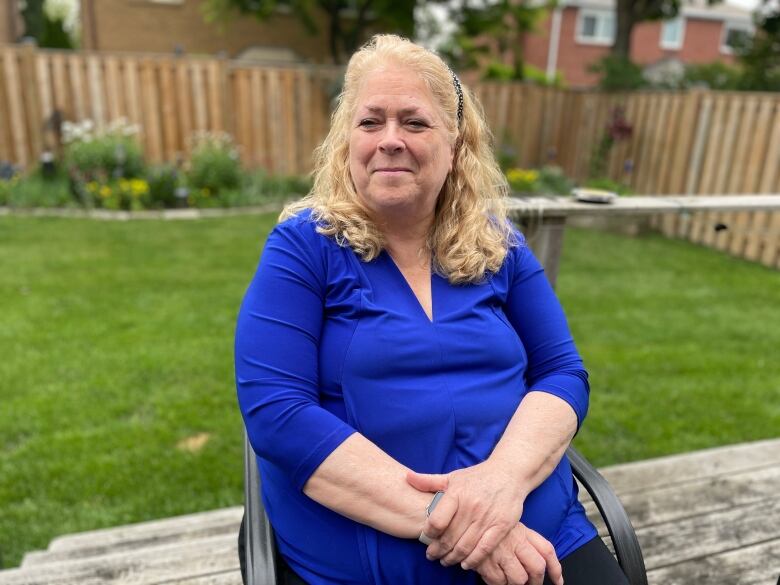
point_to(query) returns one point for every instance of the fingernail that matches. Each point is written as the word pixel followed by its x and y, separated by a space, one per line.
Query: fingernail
pixel 465 566
pixel 429 557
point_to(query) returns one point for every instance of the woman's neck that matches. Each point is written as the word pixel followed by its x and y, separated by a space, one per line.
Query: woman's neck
pixel 406 241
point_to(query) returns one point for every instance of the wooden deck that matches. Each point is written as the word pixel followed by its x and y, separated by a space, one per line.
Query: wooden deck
pixel 706 518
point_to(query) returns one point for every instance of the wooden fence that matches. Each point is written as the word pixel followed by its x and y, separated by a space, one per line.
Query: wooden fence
pixel 695 142
pixel 276 115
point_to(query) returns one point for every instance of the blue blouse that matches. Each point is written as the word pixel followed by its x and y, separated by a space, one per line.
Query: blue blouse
pixel 328 345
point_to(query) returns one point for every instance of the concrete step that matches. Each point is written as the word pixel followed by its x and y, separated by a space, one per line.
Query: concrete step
pixel 176 530
pixel 205 561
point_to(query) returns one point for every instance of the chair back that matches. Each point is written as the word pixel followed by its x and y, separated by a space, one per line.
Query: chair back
pixel 259 545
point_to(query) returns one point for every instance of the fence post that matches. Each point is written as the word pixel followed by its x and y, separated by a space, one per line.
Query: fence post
pixel 31 100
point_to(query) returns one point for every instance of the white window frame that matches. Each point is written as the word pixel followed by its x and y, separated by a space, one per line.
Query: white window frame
pixel 601 17
pixel 730 25
pixel 678 43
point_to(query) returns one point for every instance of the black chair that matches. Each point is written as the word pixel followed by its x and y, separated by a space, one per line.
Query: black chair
pixel 257 548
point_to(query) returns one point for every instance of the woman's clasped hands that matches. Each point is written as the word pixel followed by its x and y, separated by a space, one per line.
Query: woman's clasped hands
pixel 476 524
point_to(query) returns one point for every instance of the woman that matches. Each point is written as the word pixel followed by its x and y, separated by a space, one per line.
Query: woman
pixel 399 339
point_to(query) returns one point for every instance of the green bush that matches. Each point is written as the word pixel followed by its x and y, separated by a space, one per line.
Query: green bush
pixel 497 71
pixel 552 181
pixel 548 180
pixel 5 189
pixel 618 74
pixel 122 194
pixel 214 165
pixel 110 153
pixel 522 180
pixel 36 190
pixel 163 181
pixel 715 75
pixel 609 185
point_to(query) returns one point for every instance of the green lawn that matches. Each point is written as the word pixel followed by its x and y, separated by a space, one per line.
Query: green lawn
pixel 116 391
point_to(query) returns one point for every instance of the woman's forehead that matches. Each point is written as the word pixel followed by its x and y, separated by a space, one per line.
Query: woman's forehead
pixel 395 86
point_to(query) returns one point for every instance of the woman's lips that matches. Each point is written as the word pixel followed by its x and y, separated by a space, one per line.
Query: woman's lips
pixel 392 170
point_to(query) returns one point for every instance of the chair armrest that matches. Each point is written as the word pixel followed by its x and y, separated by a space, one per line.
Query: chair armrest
pixel 627 550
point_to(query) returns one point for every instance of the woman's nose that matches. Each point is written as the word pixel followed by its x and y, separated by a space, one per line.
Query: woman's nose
pixel 391 142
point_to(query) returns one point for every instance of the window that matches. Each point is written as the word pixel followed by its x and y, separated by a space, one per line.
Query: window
pixel 596 27
pixel 734 35
pixel 672 33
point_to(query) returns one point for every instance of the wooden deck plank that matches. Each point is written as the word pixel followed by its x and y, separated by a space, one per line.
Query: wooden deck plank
pixel 703 496
pixel 685 467
pixel 164 564
pixel 704 535
pixel 755 565
pixel 125 536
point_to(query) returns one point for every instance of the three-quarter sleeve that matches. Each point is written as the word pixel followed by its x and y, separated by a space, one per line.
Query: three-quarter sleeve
pixel 554 365
pixel 276 356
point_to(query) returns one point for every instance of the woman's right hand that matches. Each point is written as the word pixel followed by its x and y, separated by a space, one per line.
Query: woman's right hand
pixel 522 558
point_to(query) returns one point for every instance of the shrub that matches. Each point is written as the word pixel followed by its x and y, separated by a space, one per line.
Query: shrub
pixel 609 185
pixel 163 181
pixel 5 189
pixel 552 181
pixel 36 190
pixel 618 74
pixel 214 165
pixel 110 153
pixel 715 75
pixel 522 180
pixel 124 194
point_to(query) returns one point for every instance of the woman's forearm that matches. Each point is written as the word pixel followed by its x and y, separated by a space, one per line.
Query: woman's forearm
pixel 536 438
pixel 360 481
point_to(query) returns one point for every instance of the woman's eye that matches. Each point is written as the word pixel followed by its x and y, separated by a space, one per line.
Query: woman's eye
pixel 417 124
pixel 367 123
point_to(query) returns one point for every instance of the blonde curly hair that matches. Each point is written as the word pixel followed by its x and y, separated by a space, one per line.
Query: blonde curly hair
pixel 470 235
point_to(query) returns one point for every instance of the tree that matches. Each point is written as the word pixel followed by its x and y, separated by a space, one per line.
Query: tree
pixel 492 30
pixel 760 54
pixel 33 17
pixel 45 22
pixel 348 21
pixel 631 12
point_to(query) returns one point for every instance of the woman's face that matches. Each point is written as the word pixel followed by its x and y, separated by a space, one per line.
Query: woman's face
pixel 399 149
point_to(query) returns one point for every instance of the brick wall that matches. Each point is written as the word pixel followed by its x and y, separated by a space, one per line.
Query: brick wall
pixel 143 25
pixel 701 44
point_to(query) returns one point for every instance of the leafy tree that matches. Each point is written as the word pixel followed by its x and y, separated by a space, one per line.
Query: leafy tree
pixel 48 30
pixel 34 18
pixel 348 21
pixel 631 12
pixel 760 54
pixel 489 31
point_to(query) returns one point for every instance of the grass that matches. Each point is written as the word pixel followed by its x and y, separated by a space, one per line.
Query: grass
pixel 117 401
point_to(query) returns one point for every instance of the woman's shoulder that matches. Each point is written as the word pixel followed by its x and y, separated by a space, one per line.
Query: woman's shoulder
pixel 302 224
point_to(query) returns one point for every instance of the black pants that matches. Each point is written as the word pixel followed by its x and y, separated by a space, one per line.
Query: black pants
pixel 591 564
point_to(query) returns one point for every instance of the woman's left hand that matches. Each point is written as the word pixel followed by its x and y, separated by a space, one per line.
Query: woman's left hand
pixel 481 505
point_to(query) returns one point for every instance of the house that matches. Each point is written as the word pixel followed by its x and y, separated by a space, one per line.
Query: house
pixel 11 24
pixel 579 32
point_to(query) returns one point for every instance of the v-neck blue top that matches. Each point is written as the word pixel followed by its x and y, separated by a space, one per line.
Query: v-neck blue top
pixel 328 345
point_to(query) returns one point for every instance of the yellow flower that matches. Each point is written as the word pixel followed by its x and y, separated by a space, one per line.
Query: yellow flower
pixel 139 187
pixel 105 191
pixel 92 186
